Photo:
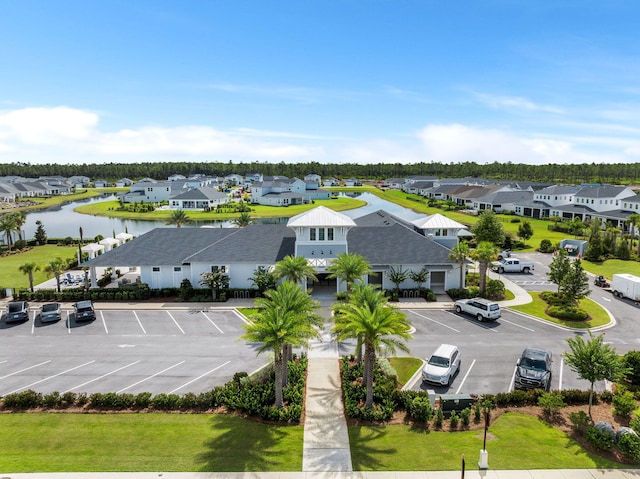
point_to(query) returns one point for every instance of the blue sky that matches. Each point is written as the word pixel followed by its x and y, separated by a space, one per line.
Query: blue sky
pixel 362 81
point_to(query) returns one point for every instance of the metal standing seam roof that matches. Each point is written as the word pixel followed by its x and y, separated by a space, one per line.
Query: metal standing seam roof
pixel 437 221
pixel 320 216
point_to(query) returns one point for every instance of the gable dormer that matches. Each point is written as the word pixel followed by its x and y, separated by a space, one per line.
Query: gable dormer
pixel 321 234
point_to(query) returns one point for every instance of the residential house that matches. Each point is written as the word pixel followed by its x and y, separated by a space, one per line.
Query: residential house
pixel 280 191
pixel 204 198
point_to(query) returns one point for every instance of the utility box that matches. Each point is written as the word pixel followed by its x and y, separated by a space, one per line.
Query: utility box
pixel 626 286
pixel 454 402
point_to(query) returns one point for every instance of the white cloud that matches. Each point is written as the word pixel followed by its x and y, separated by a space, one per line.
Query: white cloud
pixel 67 132
pixel 515 103
pixel 458 143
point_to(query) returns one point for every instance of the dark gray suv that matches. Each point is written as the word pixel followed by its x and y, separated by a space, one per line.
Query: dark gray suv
pixel 534 370
pixel 17 311
pixel 84 311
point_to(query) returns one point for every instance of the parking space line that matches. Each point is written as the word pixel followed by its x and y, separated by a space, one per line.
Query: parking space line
pixel 533 318
pixel 561 370
pixel 104 323
pixel 103 376
pixel 216 326
pixel 241 316
pixel 50 377
pixel 150 377
pixel 139 322
pixel 174 320
pixel 434 321
pixel 465 377
pixel 33 323
pixel 69 322
pixel 516 324
pixel 26 369
pixel 2 362
pixel 199 377
pixel 513 378
pixel 471 321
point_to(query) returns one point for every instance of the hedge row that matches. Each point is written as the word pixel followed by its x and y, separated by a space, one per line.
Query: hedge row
pixel 252 397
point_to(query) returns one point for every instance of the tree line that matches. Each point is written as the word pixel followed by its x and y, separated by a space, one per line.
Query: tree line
pixel 614 173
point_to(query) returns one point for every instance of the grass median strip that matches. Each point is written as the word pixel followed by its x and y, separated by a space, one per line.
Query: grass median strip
pixel 517 441
pixel 146 442
pixel 538 307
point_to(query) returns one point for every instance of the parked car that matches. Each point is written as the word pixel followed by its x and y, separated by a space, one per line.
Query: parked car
pixel 17 311
pixel 480 308
pixel 50 312
pixel 442 366
pixel 534 369
pixel 84 311
pixel 512 265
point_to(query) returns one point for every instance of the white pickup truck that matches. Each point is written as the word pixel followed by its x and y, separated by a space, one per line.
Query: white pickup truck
pixel 512 265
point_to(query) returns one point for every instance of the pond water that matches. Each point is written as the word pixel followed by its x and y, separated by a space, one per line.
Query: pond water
pixel 62 221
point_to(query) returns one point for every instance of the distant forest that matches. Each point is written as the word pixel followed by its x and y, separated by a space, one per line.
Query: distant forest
pixel 620 173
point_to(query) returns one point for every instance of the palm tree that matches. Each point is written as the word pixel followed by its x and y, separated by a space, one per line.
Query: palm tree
pixel 349 267
pixel 8 226
pixel 460 253
pixel 29 269
pixel 243 219
pixel 295 269
pixel 287 316
pixel 383 328
pixel 419 277
pixel 178 218
pixel 484 254
pixel 397 277
pixel 56 267
pixel 20 219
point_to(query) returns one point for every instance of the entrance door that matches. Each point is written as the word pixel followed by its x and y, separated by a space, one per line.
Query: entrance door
pixel 438 282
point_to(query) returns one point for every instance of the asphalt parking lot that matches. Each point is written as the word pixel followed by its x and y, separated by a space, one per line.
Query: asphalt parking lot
pixel 171 351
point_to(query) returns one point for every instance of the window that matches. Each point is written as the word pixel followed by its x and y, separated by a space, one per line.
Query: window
pixel 156 269
pixel 177 269
pixel 321 234
pixel 330 234
pixel 312 234
pixel 215 269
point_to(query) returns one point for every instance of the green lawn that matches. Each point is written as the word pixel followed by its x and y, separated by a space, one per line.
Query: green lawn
pixel 405 367
pixel 146 442
pixel 60 199
pixel 519 442
pixel 537 307
pixel 11 277
pixel 109 208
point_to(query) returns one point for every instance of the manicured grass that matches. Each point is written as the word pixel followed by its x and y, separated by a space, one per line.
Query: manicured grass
pixel 612 266
pixel 146 442
pixel 405 367
pixel 11 277
pixel 60 199
pixel 519 442
pixel 110 208
pixel 599 316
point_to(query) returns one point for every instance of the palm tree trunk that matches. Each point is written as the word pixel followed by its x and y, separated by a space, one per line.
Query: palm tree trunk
pixel 58 281
pixel 285 364
pixel 370 359
pixel 359 349
pixel 278 370
pixel 461 274
pixel 31 281
pixel 483 276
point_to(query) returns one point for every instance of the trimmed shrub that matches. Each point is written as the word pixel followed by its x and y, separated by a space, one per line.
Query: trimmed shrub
pixel 629 444
pixel 632 362
pixel 438 420
pixel 421 409
pixel 551 403
pixel 601 436
pixel 568 313
pixel 465 417
pixel 579 420
pixel 454 419
pixel 624 404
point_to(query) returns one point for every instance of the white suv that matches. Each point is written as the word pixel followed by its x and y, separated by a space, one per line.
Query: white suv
pixel 480 308
pixel 442 366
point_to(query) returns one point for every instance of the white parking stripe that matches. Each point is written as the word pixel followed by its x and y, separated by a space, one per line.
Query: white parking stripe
pixel 103 376
pixel 199 377
pixel 502 320
pixel 139 322
pixel 150 377
pixel 513 378
pixel 50 377
pixel 242 317
pixel 2 362
pixel 472 320
pixel 561 371
pixel 216 326
pixel 104 323
pixel 465 377
pixel 68 322
pixel 25 369
pixel 174 320
pixel 33 323
pixel 434 321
